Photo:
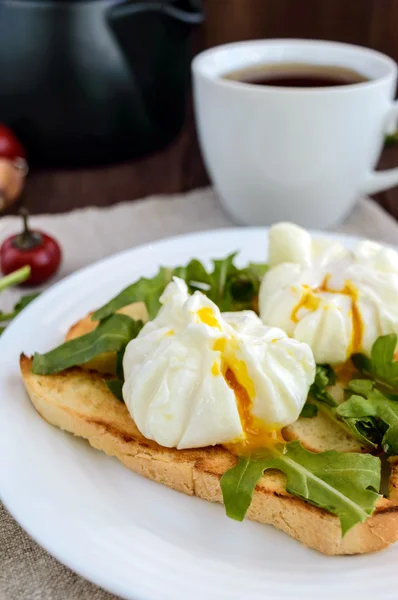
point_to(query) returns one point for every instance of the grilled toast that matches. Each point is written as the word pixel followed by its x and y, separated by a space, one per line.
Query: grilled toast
pixel 79 402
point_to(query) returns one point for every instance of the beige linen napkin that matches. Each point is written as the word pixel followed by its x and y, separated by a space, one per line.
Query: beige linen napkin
pixel 27 572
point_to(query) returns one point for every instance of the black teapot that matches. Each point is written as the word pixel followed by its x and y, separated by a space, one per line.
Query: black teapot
pixel 92 81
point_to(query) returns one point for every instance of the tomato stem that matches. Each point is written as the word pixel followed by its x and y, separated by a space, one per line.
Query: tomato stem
pixel 26 233
pixel 24 214
pixel 27 239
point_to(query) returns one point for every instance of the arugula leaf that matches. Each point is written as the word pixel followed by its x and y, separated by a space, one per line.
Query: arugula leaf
pixel 309 411
pixel 119 359
pixel 115 386
pixel 233 288
pixel 362 363
pixel 258 269
pixel 361 430
pixel 361 386
pixel 222 271
pixel 370 402
pixel 195 276
pixel 229 287
pixel 149 290
pixel 112 334
pixel 24 301
pixel 20 305
pixel 324 376
pixel 381 366
pixel 1 330
pixel 143 290
pixel 344 484
pixel 6 316
pixel 364 430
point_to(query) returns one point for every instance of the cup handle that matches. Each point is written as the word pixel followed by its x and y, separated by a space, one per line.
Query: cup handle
pixel 377 181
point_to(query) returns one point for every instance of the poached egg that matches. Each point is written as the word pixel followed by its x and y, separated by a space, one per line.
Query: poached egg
pixel 196 377
pixel 335 300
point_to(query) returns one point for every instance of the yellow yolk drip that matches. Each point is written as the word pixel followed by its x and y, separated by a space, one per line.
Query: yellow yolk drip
pixel 235 372
pixel 207 317
pixel 311 302
pixel 308 301
pixel 357 325
pixel 257 434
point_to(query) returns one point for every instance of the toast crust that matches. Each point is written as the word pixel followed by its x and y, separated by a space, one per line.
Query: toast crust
pixel 78 401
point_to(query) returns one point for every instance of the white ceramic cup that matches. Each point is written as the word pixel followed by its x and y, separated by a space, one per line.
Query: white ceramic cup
pixel 299 154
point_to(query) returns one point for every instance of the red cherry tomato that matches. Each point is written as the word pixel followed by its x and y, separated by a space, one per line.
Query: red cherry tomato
pixel 34 248
pixel 10 146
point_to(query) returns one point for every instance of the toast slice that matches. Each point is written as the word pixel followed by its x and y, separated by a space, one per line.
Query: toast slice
pixel 79 402
pixel 321 433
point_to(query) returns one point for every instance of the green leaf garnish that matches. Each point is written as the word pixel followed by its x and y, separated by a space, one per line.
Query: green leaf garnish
pixel 143 290
pixel 119 359
pixel 343 484
pixel 324 377
pixel 195 276
pixel 232 288
pixel 369 402
pixel 309 411
pixel 258 269
pixel 20 305
pixel 229 287
pixel 384 367
pixel 115 386
pixel 324 401
pixel 24 301
pixel 362 363
pixel 15 278
pixel 381 366
pixel 111 335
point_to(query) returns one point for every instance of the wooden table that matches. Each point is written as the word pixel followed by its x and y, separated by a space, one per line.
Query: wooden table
pixel 177 168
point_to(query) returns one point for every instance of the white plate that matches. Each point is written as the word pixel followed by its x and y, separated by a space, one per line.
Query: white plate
pixel 135 537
